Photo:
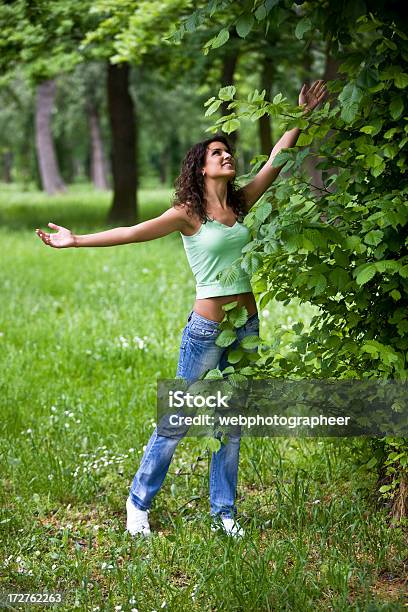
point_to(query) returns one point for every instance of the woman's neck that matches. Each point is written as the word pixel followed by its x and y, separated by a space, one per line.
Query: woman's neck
pixel 216 194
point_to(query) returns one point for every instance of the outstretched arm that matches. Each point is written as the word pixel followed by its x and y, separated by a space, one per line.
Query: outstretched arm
pixel 309 98
pixel 174 219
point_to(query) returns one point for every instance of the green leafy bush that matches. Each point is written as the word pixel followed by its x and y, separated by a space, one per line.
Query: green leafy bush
pixel 342 246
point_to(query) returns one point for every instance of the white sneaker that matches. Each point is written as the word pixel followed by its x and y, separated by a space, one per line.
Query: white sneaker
pixel 229 526
pixel 137 520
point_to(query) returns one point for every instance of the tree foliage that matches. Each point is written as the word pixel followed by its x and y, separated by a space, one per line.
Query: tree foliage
pixel 343 246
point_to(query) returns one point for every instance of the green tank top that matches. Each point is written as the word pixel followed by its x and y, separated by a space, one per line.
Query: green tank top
pixel 212 249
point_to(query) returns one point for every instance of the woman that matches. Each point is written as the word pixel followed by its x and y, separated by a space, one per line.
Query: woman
pixel 207 211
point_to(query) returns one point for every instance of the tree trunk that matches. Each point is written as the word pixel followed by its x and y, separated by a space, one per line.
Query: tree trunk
pixel 47 160
pixel 227 78
pixel 264 123
pixel 330 73
pixel 163 162
pixel 331 68
pixel 98 163
pixel 7 163
pixel 121 115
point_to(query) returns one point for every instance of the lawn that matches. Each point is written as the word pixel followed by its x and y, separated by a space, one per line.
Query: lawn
pixel 85 334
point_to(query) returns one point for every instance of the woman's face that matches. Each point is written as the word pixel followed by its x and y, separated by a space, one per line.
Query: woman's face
pixel 218 161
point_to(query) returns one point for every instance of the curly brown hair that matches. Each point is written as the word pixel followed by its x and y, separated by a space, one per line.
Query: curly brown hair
pixel 189 186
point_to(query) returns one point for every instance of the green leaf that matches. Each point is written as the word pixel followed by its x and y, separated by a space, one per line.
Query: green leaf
pixel 251 263
pixel 213 108
pixel 364 273
pixel 350 98
pixel 304 139
pixel 319 282
pixel 213 444
pixel 260 12
pixel 244 25
pixel 230 126
pixel 401 80
pixel 214 374
pixel 235 355
pixel 208 102
pixel 281 158
pixel 353 243
pixel 372 347
pixel 374 237
pixel 226 337
pixel 229 306
pixel 403 271
pixel 250 342
pixel 339 278
pixel 396 107
pixel 239 316
pixel 402 327
pixel 247 371
pixel 390 133
pixel 390 150
pixel 368 129
pixel 378 169
pixel 316 237
pixel 374 160
pixel 190 23
pixel 263 211
pixel 370 464
pixel 260 112
pixel 236 379
pixel 227 93
pixel 221 38
pixel 387 265
pixel 303 26
pixel 395 294
pixel 341 257
pixel 229 275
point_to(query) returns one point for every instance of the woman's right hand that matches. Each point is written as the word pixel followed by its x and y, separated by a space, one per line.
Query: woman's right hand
pixel 63 239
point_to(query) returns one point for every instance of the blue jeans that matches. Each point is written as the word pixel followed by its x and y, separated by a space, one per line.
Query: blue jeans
pixel 198 354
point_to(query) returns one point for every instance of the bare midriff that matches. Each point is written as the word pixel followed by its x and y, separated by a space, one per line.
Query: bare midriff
pixel 211 308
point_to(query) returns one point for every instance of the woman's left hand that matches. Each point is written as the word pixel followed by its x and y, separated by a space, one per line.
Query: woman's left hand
pixel 310 97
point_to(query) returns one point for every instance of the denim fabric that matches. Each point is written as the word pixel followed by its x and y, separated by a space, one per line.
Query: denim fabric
pixel 198 354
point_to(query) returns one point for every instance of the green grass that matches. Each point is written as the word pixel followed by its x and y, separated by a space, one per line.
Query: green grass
pixel 85 334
